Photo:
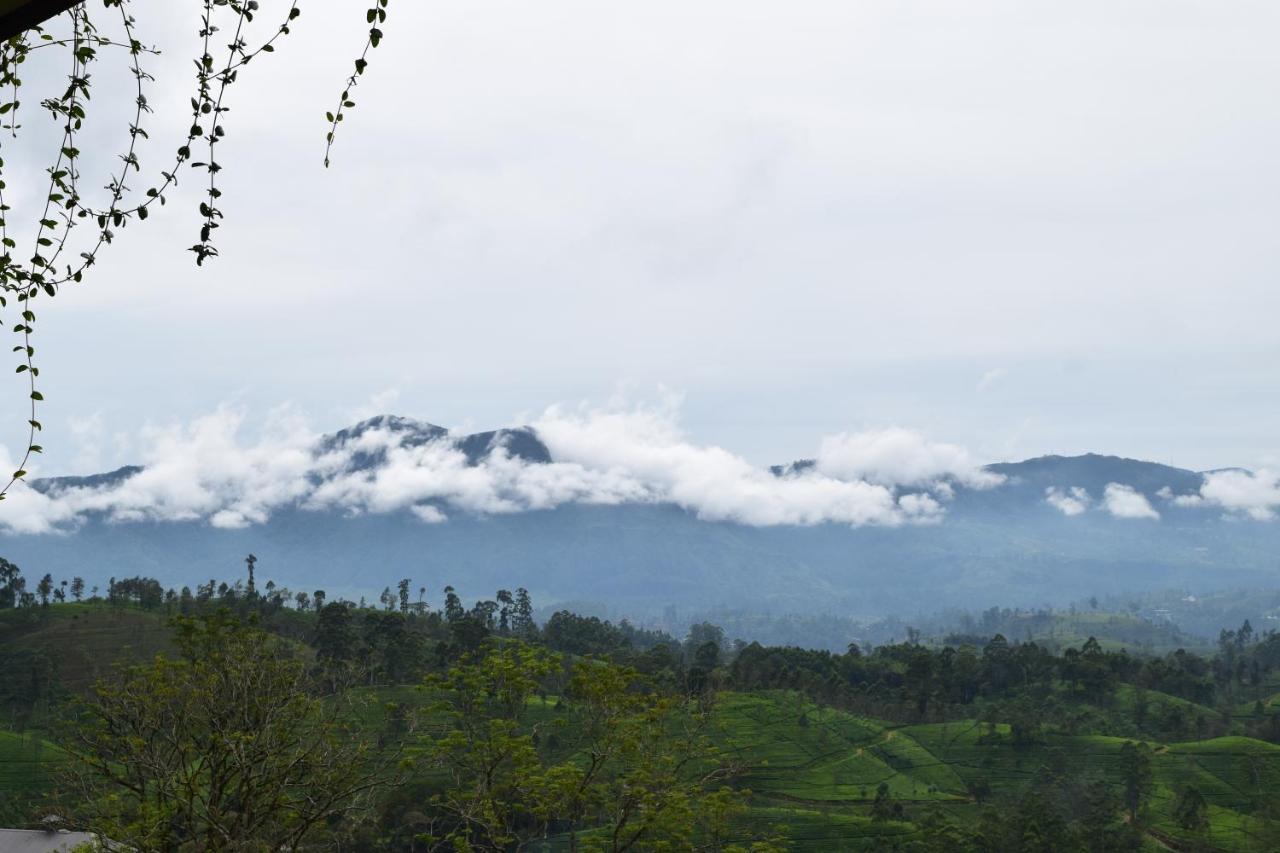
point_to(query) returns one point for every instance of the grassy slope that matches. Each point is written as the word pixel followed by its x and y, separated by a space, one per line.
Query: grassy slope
pixel 84 640
pixel 28 765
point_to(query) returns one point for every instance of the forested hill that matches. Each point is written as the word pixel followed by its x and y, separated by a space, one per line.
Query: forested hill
pixel 975 744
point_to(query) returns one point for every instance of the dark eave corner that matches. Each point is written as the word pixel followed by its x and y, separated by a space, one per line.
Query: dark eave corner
pixel 19 15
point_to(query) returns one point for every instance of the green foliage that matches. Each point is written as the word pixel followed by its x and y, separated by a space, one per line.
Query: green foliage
pixel 617 766
pixel 525 744
pixel 29 765
pixel 498 793
pixel 1191 811
pixel 222 747
pixel 1137 777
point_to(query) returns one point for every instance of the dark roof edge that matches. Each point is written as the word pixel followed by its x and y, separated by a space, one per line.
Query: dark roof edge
pixel 18 16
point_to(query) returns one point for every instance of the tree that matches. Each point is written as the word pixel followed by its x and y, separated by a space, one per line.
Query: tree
pixel 660 786
pixel 522 624
pixel 581 635
pixel 497 794
pixel 225 746
pixel 1191 811
pixel 1137 777
pixel 10 587
pixel 403 590
pixel 452 605
pixel 44 589
pixel 701 634
pixel 335 639
pixel 882 805
pixel 504 611
pixel 77 588
pixel 635 767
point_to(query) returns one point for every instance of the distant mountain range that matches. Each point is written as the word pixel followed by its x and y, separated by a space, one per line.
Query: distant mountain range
pixel 1039 537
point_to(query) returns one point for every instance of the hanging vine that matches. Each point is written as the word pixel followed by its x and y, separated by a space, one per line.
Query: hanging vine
pixel 64 211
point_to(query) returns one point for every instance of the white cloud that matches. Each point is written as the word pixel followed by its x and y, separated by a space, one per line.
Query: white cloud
pixel 207 471
pixel 900 457
pixel 1126 502
pixel 1073 501
pixel 190 472
pixel 429 514
pixel 645 453
pixel 1256 495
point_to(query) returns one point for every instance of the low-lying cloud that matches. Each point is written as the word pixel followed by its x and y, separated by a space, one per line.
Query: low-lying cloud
pixel 1118 500
pixel 1127 502
pixel 1072 501
pixel 900 457
pixel 207 472
pixel 1252 494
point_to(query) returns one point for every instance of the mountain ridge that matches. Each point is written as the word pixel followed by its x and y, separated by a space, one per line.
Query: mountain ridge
pixel 1006 543
pixel 523 442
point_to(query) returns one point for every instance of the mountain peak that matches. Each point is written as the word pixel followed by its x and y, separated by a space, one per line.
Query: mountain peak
pixel 520 442
pixel 52 485
pixel 1094 471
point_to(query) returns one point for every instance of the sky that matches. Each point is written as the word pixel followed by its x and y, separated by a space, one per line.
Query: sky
pixel 1016 228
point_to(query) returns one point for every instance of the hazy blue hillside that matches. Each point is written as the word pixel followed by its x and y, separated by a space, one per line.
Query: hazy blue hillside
pixel 1004 544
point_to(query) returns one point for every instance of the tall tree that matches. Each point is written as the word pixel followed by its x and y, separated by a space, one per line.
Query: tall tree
pixel 1137 777
pixel 505 602
pixel 522 624
pixel 224 747
pixel 10 575
pixel 452 605
pixel 335 639
pixel 44 589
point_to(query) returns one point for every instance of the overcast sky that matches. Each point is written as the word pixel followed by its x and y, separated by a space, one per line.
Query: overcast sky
pixel 1021 227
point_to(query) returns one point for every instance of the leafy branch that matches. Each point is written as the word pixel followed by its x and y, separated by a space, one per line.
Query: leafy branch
pixel 64 207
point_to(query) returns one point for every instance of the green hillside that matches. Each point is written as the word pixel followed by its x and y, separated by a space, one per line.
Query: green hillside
pixel 28 767
pixel 838 752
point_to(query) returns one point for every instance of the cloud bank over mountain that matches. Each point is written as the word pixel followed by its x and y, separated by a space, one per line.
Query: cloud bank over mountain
pixel 1254 494
pixel 217 471
pixel 207 471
